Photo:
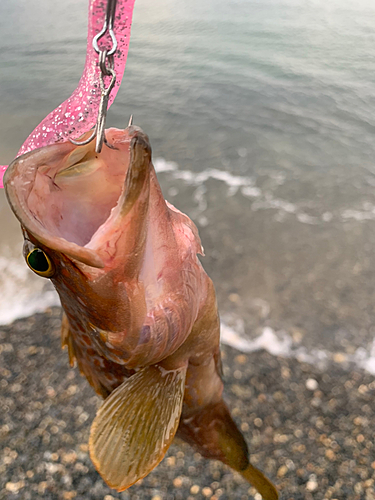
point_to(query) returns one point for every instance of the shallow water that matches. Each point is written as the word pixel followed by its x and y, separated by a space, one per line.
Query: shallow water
pixel 262 118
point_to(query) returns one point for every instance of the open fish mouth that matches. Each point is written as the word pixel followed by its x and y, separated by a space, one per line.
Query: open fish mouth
pixel 66 195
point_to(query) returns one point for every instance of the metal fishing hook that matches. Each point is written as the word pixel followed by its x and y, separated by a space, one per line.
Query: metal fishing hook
pixel 105 70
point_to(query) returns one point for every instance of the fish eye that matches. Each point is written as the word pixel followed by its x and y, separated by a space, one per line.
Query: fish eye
pixel 39 262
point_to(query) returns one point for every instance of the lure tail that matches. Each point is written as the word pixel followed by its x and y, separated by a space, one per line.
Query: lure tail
pixel 214 434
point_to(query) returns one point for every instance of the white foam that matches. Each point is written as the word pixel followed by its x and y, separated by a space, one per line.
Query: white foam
pixel 197 178
pixel 22 294
pixel 281 344
pixel 251 192
pixel 365 213
pixel 162 165
pixel 359 215
pixel 268 341
pixel 366 360
pixel 307 219
pixel 244 184
pixel 263 200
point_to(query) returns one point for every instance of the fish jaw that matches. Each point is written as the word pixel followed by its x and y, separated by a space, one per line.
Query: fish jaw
pixel 120 241
pixel 18 182
pixel 69 197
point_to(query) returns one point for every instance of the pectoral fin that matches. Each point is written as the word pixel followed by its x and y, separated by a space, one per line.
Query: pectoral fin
pixel 67 339
pixel 136 425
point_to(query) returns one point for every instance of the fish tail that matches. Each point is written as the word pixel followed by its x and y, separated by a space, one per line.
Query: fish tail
pixel 256 478
pixel 213 433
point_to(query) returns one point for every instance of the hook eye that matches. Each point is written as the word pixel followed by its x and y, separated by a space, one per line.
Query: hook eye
pixel 39 262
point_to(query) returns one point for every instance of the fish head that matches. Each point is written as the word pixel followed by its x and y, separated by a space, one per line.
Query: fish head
pixel 84 218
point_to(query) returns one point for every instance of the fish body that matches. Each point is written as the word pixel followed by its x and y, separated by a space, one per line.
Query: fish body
pixel 140 314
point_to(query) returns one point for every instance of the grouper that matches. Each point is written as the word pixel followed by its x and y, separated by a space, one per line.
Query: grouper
pixel 140 315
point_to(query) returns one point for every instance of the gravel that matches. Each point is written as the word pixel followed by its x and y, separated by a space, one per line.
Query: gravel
pixel 311 432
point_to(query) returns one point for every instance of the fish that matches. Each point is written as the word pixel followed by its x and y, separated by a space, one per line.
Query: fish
pixel 140 316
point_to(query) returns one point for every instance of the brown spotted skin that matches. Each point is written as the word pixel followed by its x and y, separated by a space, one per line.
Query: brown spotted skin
pixel 104 375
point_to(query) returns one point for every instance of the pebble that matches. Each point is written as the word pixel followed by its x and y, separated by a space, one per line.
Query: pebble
pixel 339 357
pixel 282 471
pixel 258 422
pixel 42 486
pixel 312 484
pixel 69 458
pixel 311 384
pixel 194 490
pixel 330 454
pixel 177 482
pixel 69 495
pixel 14 487
pixel 241 359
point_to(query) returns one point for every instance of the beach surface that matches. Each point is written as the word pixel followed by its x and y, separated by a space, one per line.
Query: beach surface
pixel 310 431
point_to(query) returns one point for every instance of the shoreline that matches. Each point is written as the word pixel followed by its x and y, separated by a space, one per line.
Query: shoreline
pixel 309 431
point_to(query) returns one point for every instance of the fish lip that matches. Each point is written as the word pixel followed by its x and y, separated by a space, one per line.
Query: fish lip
pixel 17 195
pixel 18 206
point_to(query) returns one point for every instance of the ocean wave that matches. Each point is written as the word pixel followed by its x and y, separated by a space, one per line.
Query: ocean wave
pixel 23 297
pixel 22 293
pixel 262 200
pixel 281 344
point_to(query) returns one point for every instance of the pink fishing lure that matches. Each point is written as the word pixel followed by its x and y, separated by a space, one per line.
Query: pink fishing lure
pixel 78 113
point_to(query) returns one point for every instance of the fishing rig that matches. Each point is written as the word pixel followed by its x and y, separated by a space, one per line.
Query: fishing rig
pixel 106 59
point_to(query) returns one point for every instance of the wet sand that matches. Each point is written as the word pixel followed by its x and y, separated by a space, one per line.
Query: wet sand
pixel 311 431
